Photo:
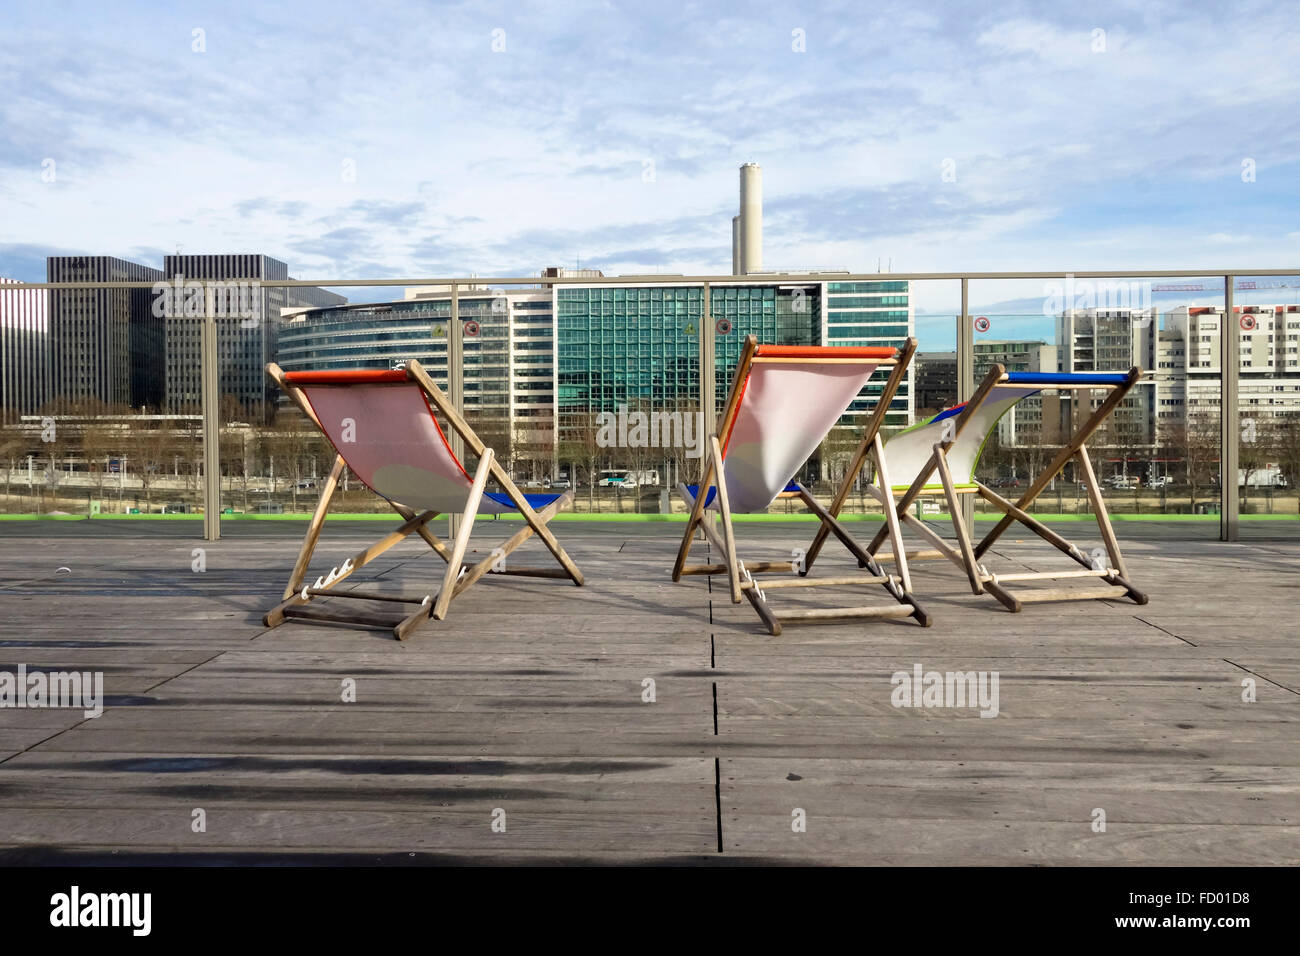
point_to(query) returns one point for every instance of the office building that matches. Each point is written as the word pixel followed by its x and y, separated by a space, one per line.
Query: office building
pixel 1112 340
pixel 105 345
pixel 1189 367
pixel 638 345
pixel 24 351
pixel 509 352
pixel 872 313
pixel 247 315
pixel 935 382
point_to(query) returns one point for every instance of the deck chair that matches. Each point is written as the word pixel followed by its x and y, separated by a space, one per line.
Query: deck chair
pixel 937 458
pixel 783 401
pixel 382 426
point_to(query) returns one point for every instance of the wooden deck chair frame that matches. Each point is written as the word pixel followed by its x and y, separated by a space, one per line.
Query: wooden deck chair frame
pixel 458 577
pixel 740 574
pixel 1113 571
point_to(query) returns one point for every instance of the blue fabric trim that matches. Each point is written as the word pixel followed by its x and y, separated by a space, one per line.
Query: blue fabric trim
pixel 695 491
pixel 534 501
pixel 1066 378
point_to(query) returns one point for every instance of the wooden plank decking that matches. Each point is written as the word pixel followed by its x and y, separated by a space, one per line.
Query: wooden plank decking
pixel 528 699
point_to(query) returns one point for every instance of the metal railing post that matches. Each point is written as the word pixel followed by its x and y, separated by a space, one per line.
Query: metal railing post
pixel 1229 415
pixel 708 345
pixel 966 375
pixel 455 387
pixel 211 398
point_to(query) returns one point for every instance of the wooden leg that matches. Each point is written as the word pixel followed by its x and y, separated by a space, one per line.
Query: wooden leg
pixel 539 527
pixel 697 514
pixel 518 538
pixel 891 519
pixel 728 534
pixel 462 535
pixel 313 530
pixel 959 526
pixel 760 605
pixel 1103 516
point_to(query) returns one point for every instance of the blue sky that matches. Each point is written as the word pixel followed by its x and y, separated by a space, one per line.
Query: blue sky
pixel 610 133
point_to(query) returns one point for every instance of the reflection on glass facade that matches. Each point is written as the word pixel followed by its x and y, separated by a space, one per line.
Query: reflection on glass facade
pixel 872 314
pixel 639 346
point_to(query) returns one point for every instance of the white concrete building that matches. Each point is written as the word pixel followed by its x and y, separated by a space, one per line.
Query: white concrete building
pixel 1189 368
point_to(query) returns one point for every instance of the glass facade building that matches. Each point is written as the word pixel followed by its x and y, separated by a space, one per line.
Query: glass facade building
pixel 548 361
pixel 873 313
pixel 508 357
pixel 639 346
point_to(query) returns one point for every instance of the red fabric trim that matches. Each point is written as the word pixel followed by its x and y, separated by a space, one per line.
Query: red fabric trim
pixel 826 351
pixel 732 427
pixel 356 376
pixel 452 454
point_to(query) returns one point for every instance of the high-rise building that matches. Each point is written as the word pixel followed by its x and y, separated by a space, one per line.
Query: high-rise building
pixel 247 315
pixel 934 382
pixel 872 313
pixel 1025 423
pixel 638 345
pixel 105 344
pixel 24 350
pixel 1112 340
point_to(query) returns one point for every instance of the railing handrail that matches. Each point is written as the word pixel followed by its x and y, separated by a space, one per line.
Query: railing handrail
pixel 464 282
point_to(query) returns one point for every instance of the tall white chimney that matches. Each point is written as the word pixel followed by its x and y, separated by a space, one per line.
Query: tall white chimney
pixel 751 219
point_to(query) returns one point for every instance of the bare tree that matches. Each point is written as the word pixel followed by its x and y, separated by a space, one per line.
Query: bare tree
pixel 579 445
pixel 1286 445
pixel 149 446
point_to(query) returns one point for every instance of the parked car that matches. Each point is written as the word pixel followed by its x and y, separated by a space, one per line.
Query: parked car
pixel 1159 482
pixel 306 484
pixel 1122 482
pixel 1006 481
pixel 535 483
pixel 563 484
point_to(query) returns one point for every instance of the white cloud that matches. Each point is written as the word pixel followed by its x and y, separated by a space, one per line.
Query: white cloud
pixel 1059 153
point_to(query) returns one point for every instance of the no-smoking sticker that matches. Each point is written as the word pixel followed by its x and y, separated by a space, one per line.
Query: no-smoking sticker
pixel 471 329
pixel 724 326
pixel 1247 323
pixel 982 324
